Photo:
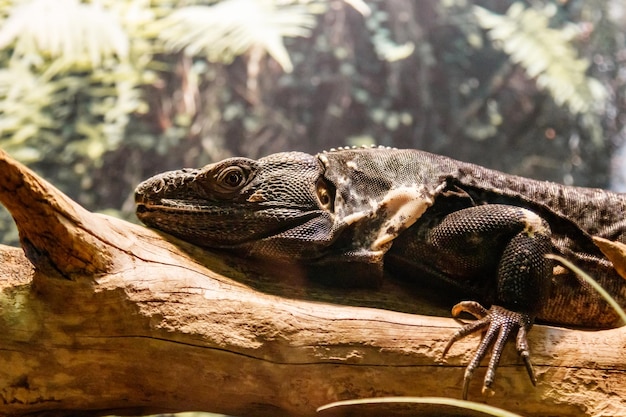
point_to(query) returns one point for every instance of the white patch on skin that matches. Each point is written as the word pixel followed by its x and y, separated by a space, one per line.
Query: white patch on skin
pixel 364 209
pixel 403 206
pixel 352 164
pixel 354 217
pixel 342 180
pixel 533 224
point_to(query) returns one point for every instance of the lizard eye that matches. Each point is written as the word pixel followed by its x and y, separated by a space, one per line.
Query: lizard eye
pixel 232 177
pixel 325 194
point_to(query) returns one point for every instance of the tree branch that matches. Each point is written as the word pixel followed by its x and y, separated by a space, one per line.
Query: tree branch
pixel 117 318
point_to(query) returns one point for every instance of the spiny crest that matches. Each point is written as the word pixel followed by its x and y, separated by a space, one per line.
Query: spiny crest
pixel 353 147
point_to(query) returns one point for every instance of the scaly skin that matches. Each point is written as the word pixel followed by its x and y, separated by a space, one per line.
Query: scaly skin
pixel 354 212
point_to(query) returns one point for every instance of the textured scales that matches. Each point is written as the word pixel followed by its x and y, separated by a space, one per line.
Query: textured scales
pixel 348 213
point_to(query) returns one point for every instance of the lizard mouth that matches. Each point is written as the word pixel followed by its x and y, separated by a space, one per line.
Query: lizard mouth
pixel 229 225
pixel 145 207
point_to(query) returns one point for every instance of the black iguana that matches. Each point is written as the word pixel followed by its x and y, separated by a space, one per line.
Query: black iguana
pixel 424 216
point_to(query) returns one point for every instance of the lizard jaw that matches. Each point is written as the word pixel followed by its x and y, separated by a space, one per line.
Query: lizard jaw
pixel 227 227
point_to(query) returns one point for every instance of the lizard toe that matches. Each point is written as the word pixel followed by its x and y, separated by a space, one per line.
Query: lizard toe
pixel 499 324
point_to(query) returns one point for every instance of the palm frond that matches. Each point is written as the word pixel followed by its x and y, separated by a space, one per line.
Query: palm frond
pixel 360 6
pixel 71 33
pixel 232 27
pixel 545 53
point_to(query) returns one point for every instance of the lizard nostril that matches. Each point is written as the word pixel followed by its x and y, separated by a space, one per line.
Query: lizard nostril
pixel 159 186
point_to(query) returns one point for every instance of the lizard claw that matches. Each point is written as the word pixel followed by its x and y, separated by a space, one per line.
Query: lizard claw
pixel 498 324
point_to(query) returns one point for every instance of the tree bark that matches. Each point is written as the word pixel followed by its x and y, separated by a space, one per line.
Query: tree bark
pixel 101 316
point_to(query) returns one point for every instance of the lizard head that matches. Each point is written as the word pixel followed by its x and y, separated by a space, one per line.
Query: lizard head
pixel 267 206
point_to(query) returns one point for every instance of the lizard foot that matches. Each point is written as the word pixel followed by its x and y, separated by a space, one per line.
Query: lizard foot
pixel 498 324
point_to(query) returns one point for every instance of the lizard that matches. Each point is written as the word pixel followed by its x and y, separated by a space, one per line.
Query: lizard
pixel 353 213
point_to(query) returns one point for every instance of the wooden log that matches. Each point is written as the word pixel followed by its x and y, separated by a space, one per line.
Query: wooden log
pixel 101 316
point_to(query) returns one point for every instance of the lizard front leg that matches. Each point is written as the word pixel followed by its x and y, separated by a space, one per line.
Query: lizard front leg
pixel 518 239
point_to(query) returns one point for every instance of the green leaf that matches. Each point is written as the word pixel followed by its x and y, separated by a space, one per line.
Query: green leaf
pixel 437 405
pixel 232 27
pixel 592 283
pixel 546 54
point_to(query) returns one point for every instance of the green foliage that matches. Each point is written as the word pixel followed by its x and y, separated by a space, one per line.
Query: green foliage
pixel 68 87
pixel 23 96
pixel 547 54
pixel 76 73
pixel 72 35
pixel 232 27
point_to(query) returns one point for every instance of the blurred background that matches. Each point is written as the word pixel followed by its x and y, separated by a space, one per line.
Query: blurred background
pixel 96 96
